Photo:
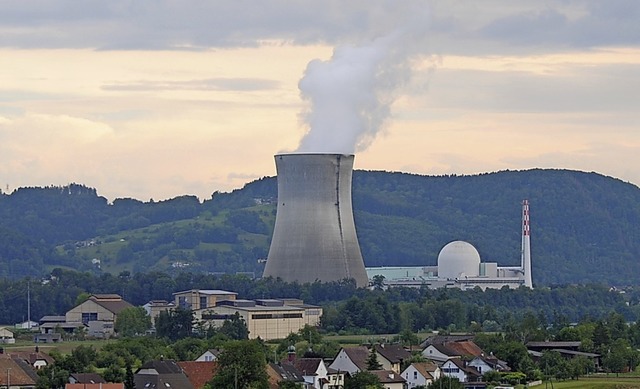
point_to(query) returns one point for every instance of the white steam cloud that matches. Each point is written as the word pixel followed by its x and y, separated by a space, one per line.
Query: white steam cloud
pixel 350 95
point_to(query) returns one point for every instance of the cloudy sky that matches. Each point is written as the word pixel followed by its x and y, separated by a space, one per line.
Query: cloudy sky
pixel 155 99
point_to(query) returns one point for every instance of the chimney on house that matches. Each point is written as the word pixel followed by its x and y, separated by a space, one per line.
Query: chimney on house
pixel 291 354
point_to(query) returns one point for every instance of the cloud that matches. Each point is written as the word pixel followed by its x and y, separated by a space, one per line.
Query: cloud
pixel 213 84
pixel 460 26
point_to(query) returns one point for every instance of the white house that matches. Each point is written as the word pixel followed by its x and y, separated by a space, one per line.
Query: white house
pixel 351 360
pixel 485 364
pixel 209 356
pixel 456 368
pixel 421 373
pixel 313 370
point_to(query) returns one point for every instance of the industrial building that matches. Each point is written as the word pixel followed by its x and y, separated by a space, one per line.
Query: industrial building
pixel 265 318
pixel 459 266
pixel 314 237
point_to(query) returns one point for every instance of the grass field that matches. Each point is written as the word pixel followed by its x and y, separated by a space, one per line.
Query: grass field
pixel 600 382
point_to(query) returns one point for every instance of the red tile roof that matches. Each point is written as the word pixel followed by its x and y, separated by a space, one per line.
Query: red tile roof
pixel 199 373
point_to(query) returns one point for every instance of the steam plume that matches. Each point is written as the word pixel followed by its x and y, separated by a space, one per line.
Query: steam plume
pixel 350 95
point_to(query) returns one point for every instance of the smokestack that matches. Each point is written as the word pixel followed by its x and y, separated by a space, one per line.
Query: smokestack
pixel 525 262
pixel 315 236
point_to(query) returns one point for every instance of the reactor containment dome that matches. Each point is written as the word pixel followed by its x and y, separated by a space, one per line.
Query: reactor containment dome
pixel 458 259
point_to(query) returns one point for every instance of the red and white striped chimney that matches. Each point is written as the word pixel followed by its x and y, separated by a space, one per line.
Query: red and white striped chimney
pixel 525 262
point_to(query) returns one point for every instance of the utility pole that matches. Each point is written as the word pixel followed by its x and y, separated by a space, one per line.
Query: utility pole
pixel 29 305
pixel 8 378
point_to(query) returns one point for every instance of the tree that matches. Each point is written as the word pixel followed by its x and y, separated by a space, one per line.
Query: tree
pixel 132 321
pixel 362 380
pixel 241 364
pixel 235 327
pixel 372 360
pixel 446 382
pixel 128 378
pixel 175 324
pixel 289 385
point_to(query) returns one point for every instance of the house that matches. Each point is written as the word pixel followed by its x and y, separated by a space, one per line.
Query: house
pixel 485 364
pixel 313 370
pixel 16 374
pixel 441 352
pixel 86 378
pixel 199 373
pixel 35 359
pixel 99 312
pixel 351 359
pixel 278 372
pixel 209 355
pixel 110 385
pixel 456 368
pixel 335 379
pixel 440 339
pixel 391 356
pixel 6 336
pixel 161 375
pixel 389 379
pixel 421 373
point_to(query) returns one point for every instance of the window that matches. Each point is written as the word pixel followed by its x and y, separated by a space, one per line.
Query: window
pixel 89 316
pixel 415 375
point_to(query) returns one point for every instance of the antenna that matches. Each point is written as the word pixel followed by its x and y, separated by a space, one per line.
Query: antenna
pixel 525 260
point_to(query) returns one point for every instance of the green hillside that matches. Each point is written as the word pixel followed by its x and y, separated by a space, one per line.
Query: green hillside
pixel 584 226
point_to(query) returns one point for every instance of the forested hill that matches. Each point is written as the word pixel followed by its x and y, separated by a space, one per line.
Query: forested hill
pixel 585 226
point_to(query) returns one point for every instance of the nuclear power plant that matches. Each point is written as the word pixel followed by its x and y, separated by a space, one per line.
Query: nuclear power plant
pixel 460 266
pixel 314 237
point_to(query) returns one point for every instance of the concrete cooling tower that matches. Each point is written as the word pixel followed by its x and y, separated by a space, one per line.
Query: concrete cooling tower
pixel 314 237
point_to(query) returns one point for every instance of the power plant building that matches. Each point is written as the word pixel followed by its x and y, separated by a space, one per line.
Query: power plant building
pixel 459 266
pixel 314 237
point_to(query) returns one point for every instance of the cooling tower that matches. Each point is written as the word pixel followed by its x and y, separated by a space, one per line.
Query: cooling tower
pixel 314 237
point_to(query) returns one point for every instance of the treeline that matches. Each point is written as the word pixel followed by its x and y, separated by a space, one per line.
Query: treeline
pixel 583 225
pixel 347 308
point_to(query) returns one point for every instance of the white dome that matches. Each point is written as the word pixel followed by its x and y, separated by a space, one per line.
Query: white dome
pixel 458 259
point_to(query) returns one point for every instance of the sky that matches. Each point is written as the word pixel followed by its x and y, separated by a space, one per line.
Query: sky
pixel 153 100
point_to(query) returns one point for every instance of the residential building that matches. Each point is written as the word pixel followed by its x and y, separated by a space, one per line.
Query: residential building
pixel 109 385
pixel 351 359
pixel 421 373
pixel 86 378
pixel 210 355
pixel 161 374
pixel 313 370
pixel 441 352
pixel 278 372
pixel 485 364
pixel 15 373
pixel 456 368
pixel 390 379
pixel 36 359
pixel 335 379
pixel 391 356
pixel 199 373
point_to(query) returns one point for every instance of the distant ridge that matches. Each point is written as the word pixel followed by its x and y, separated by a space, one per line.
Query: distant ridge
pixel 585 226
